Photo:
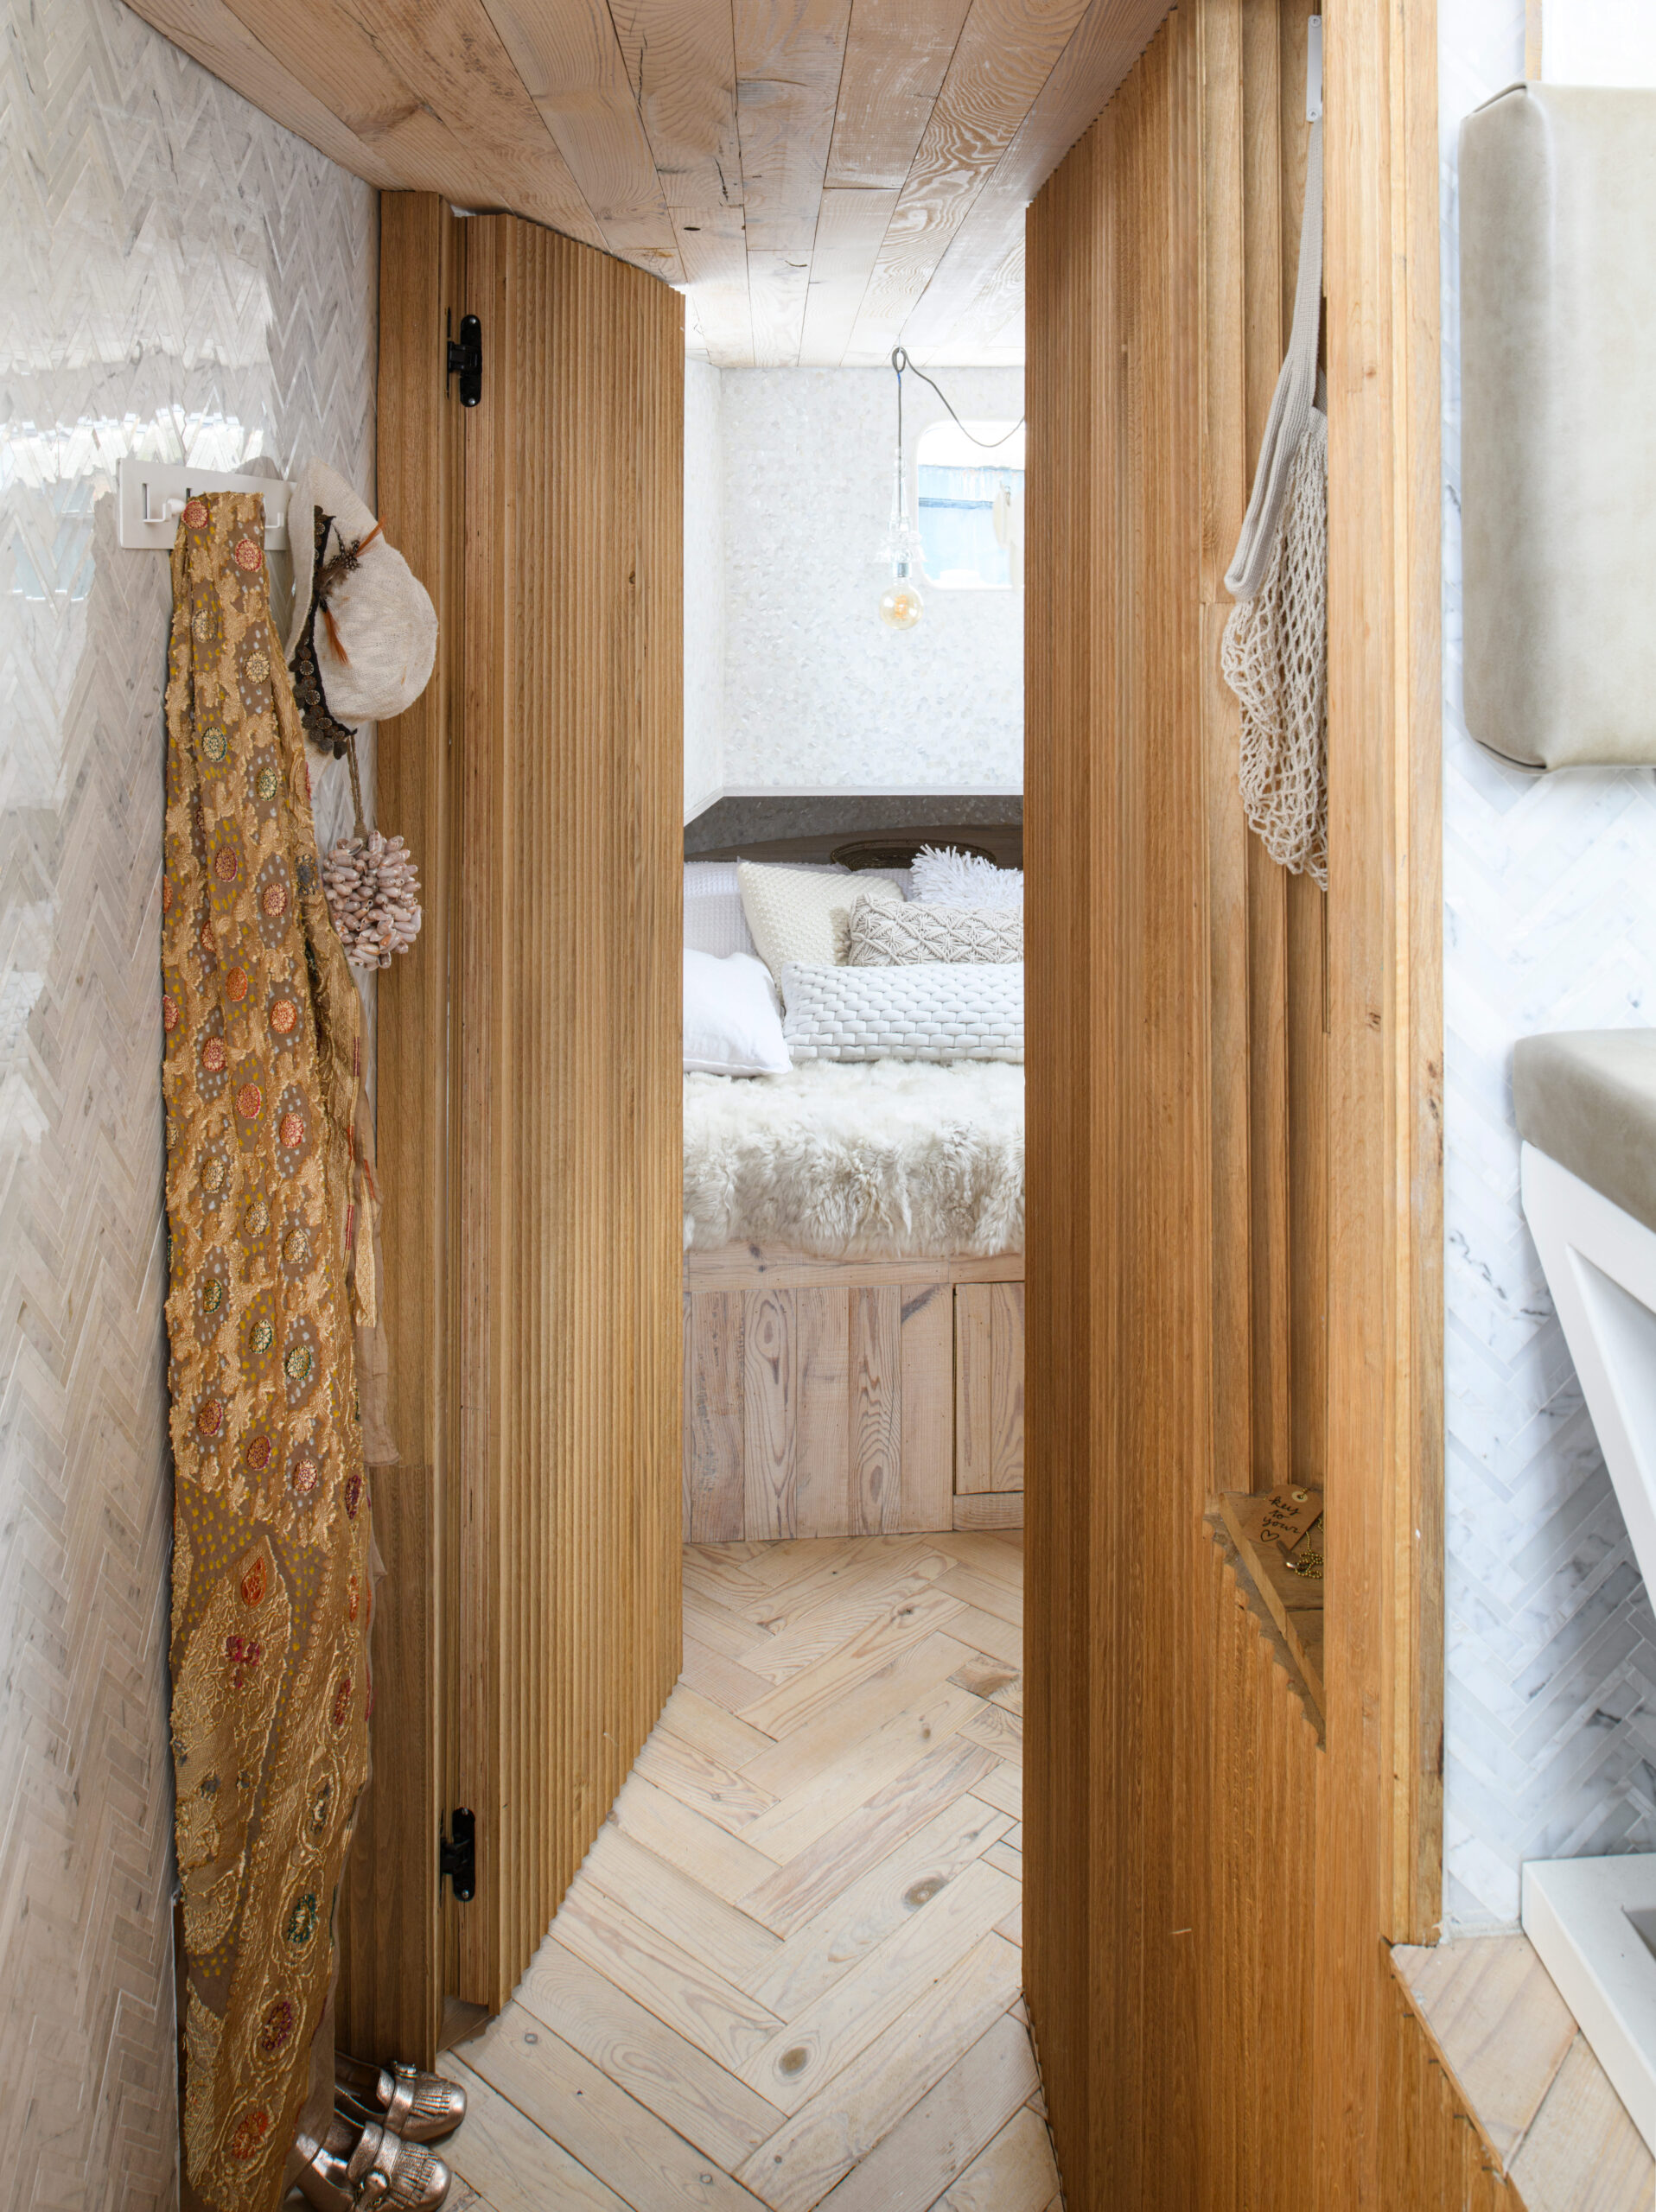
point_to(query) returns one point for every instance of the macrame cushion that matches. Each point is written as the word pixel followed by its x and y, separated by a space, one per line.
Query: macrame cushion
pixel 934 1012
pixel 882 936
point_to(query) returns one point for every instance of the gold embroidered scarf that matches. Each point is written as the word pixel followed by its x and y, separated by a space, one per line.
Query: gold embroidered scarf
pixel 270 1576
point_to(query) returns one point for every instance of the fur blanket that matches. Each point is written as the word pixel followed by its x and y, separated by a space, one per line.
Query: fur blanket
pixel 885 1159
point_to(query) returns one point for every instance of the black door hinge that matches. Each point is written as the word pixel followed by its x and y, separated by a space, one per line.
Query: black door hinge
pixel 457 1854
pixel 465 357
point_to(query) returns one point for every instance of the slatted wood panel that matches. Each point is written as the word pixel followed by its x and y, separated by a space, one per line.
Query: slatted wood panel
pixel 564 1628
pixel 823 179
pixel 824 1398
pixel 1191 1850
pixel 529 1112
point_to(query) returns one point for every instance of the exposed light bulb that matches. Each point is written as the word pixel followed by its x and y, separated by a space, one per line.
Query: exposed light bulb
pixel 900 605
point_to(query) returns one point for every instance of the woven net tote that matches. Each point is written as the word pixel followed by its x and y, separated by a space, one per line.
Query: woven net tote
pixel 1275 654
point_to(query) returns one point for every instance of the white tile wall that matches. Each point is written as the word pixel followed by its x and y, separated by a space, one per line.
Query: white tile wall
pixel 1550 923
pixel 817 693
pixel 178 278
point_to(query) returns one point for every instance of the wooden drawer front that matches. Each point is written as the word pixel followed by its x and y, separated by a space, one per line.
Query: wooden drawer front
pixel 817 1412
pixel 988 1388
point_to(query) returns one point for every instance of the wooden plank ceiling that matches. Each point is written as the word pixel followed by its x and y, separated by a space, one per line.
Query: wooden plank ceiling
pixel 824 179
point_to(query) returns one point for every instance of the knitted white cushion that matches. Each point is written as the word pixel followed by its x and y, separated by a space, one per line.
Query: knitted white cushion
pixel 799 914
pixel 898 936
pixel 934 1012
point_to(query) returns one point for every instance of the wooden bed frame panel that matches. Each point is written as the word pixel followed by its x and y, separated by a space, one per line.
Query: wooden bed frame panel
pixel 850 1397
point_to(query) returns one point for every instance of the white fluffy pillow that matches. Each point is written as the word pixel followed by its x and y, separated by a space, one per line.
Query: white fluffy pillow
pixel 799 914
pixel 947 878
pixel 731 1022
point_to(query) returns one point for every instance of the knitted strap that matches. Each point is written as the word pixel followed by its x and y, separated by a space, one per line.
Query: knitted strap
pixel 1291 402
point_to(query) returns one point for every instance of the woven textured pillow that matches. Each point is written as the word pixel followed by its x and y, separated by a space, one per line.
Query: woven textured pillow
pixel 800 914
pixel 932 1012
pixel 902 937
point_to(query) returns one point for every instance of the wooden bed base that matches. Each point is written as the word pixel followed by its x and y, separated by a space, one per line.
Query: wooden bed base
pixel 850 1397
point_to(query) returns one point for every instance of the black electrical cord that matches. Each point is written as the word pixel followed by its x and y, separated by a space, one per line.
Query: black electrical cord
pixel 900 361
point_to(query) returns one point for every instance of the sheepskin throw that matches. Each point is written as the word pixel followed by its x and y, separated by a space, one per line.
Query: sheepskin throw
pixel 884 1160
pixel 946 878
pixel 902 937
pixel 934 1012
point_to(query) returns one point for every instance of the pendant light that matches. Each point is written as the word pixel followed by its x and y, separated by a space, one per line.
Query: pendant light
pixel 901 604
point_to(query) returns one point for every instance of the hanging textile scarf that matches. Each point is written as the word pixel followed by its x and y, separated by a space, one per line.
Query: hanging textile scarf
pixel 270 1576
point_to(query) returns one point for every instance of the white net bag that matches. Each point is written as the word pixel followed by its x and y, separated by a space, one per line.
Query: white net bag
pixel 1275 655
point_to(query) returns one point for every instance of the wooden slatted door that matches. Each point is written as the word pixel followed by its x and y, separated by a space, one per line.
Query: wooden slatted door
pixel 528 1108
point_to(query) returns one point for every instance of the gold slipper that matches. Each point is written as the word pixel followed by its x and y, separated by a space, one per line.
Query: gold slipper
pixel 371 2170
pixel 420 2107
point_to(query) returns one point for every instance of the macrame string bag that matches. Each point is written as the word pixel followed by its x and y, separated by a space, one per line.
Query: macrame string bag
pixel 1275 654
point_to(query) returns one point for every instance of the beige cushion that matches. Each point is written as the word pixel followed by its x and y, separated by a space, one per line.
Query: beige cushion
pixel 802 915
pixel 1587 1098
pixel 1558 189
pixel 883 935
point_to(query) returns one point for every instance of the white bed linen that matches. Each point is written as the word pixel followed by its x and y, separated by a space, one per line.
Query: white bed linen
pixel 883 1158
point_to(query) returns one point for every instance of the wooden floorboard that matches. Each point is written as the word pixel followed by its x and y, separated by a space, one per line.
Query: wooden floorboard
pixel 788 1974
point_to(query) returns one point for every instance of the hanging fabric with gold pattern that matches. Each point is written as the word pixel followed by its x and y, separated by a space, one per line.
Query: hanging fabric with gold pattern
pixel 261 1078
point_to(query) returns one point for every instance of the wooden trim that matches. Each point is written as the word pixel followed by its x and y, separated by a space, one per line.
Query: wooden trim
pixel 751 1267
pixel 1380 1832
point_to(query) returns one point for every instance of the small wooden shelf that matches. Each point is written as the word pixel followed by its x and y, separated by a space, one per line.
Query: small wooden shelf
pixel 1292 1596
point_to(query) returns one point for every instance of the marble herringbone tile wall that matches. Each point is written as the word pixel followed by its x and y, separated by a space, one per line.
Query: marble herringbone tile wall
pixel 178 278
pixel 1550 923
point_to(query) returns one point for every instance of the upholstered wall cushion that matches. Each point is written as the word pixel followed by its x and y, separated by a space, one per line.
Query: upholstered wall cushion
pixel 934 1012
pixel 1558 260
pixel 883 935
pixel 1587 1098
pixel 801 914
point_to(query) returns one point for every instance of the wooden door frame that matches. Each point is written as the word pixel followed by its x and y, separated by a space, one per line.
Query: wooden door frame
pixel 391 1931
pixel 1380 1842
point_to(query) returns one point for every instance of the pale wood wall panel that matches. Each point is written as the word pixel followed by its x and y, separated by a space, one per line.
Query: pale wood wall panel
pixel 827 1397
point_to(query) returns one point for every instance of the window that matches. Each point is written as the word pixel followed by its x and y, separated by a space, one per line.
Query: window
pixel 971 507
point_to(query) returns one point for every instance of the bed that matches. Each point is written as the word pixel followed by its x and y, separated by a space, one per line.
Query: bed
pixel 853 1283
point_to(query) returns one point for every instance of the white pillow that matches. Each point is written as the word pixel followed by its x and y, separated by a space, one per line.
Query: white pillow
pixel 932 1011
pixel 714 921
pixel 949 878
pixel 799 914
pixel 731 1022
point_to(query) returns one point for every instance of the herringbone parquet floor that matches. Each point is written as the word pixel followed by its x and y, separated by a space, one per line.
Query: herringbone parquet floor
pixel 788 1973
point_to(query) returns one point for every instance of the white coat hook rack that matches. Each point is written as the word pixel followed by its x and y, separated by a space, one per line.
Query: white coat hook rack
pixel 152 494
pixel 1314 70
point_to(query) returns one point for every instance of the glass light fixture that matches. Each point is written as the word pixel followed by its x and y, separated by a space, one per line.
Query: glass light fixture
pixel 901 604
